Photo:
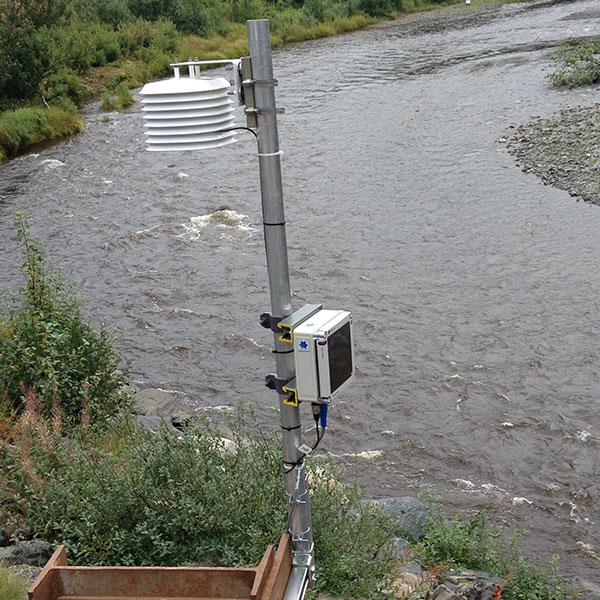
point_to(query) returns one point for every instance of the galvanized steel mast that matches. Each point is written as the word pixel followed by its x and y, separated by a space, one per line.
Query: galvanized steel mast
pixel 299 522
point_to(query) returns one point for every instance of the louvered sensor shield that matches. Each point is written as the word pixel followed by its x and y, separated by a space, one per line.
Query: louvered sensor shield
pixel 187 114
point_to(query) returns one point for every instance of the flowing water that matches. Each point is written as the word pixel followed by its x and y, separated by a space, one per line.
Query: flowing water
pixel 475 290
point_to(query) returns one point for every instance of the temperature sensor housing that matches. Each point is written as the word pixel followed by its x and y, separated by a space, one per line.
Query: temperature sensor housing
pixel 323 354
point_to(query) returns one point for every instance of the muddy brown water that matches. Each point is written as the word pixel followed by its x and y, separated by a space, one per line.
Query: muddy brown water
pixel 475 290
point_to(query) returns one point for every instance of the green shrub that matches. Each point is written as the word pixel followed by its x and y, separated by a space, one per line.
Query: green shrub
pixel 117 99
pixel 64 83
pixel 125 496
pixel 12 587
pixel 150 10
pixel 192 16
pixel 376 8
pixel 136 34
pixel 23 56
pixel 474 543
pixel 112 12
pixel 578 63
pixel 48 344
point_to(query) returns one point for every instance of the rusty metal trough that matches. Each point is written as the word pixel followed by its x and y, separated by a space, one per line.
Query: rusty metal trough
pixel 268 581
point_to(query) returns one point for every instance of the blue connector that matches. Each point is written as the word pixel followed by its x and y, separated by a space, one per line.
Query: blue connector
pixel 324 415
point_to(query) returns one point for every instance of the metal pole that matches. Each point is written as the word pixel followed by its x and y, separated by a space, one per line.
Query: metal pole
pixel 299 521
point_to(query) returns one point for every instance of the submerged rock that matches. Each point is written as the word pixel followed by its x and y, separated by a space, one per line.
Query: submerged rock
pixel 410 515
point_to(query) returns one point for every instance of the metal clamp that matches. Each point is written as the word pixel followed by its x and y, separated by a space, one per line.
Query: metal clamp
pixel 267 82
pixel 274 383
pixel 265 111
pixel 268 321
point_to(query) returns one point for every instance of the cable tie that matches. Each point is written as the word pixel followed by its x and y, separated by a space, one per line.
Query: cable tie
pixel 278 153
pixel 291 428
pixel 283 351
pixel 274 224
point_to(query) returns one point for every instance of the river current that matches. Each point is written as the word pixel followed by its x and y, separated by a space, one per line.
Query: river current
pixel 475 289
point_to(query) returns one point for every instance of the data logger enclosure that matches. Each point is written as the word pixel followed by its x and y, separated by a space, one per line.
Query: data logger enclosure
pixel 323 352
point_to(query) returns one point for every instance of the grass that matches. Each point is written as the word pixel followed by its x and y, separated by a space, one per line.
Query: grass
pixel 577 63
pixel 121 495
pixel 473 543
pixel 25 127
pixel 12 587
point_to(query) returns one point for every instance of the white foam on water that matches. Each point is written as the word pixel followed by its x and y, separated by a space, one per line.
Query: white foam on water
pixel 51 163
pixel 521 501
pixel 589 550
pixel 143 233
pixel 492 489
pixel 464 483
pixel 583 436
pixel 508 424
pixel 367 454
pixel 226 220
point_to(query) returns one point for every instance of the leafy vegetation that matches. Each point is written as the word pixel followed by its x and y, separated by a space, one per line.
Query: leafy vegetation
pixel 28 126
pixel 12 587
pixel 122 495
pixel 115 493
pixel 474 543
pixel 47 345
pixel 57 53
pixel 578 63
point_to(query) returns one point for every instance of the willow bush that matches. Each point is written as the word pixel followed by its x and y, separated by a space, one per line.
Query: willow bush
pixel 47 344
pixel 123 495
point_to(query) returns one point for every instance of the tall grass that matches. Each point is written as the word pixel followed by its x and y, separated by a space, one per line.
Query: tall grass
pixel 26 127
pixel 121 495
pixel 472 542
pixel 12 587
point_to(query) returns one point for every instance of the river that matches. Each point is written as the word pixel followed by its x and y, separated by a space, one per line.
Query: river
pixel 475 289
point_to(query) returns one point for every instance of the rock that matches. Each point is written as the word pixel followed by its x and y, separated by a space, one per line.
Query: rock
pixel 154 424
pixel 2 538
pixel 152 402
pixel 473 585
pixel 28 573
pixel 410 516
pixel 31 552
pixel 406 584
pixel 228 446
pixel 442 592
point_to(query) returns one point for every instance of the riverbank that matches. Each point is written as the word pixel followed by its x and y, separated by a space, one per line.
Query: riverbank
pixel 563 151
pixel 409 547
pixel 139 51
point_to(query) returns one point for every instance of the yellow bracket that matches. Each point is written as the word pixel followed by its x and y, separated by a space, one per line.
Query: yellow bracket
pixel 288 333
pixel 293 400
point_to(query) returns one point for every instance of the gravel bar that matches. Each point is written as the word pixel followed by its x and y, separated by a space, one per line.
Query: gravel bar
pixel 564 151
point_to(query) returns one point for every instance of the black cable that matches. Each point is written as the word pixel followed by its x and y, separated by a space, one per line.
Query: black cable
pixel 244 128
pixel 320 434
